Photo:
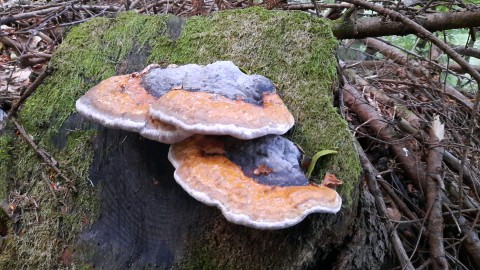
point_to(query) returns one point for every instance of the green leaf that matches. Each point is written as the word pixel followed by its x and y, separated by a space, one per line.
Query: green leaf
pixel 315 159
pixel 244 71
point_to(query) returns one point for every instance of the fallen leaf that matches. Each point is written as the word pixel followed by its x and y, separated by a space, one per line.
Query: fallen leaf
pixel 34 42
pixel 423 98
pixel 64 209
pixel 331 181
pixel 67 256
pixel 55 186
pixel 262 169
pixel 85 221
pixel 394 214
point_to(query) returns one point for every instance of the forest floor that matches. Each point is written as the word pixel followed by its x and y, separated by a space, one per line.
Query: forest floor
pixel 418 138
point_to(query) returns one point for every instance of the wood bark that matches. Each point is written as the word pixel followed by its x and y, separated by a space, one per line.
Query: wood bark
pixel 381 26
pixel 434 202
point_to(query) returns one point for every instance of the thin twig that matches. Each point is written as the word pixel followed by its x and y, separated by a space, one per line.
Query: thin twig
pixel 42 153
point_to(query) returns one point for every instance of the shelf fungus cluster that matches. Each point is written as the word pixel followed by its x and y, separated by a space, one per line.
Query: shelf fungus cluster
pixel 224 127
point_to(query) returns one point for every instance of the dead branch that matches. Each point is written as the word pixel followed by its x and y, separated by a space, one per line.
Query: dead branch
pixel 20 16
pixel 310 6
pixel 471 179
pixel 401 110
pixel 452 92
pixel 380 26
pixel 457 68
pixel 468 51
pixel 372 176
pixel 401 205
pixel 411 164
pixel 395 55
pixel 419 29
pixel 31 59
pixel 445 48
pixel 433 184
pixel 471 240
pixel 11 43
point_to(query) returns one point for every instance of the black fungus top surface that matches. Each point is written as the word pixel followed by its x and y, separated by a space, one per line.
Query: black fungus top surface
pixel 223 78
pixel 273 151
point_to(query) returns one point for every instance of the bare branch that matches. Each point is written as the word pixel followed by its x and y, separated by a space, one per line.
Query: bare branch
pixel 379 26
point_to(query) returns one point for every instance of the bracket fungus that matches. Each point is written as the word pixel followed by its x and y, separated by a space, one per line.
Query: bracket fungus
pixel 278 197
pixel 170 104
pixel 121 102
pixel 217 99
pixel 255 178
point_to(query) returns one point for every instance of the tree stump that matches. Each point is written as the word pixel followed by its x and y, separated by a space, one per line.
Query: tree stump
pixel 127 211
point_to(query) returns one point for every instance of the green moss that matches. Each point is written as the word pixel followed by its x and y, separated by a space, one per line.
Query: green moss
pixel 292 48
pixel 48 223
pixel 5 163
pixel 90 53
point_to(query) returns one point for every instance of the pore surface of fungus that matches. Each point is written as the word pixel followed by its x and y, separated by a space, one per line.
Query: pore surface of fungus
pixel 204 170
pixel 217 99
pixel 121 102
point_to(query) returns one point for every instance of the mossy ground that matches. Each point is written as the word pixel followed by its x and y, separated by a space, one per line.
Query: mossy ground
pixel 295 51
